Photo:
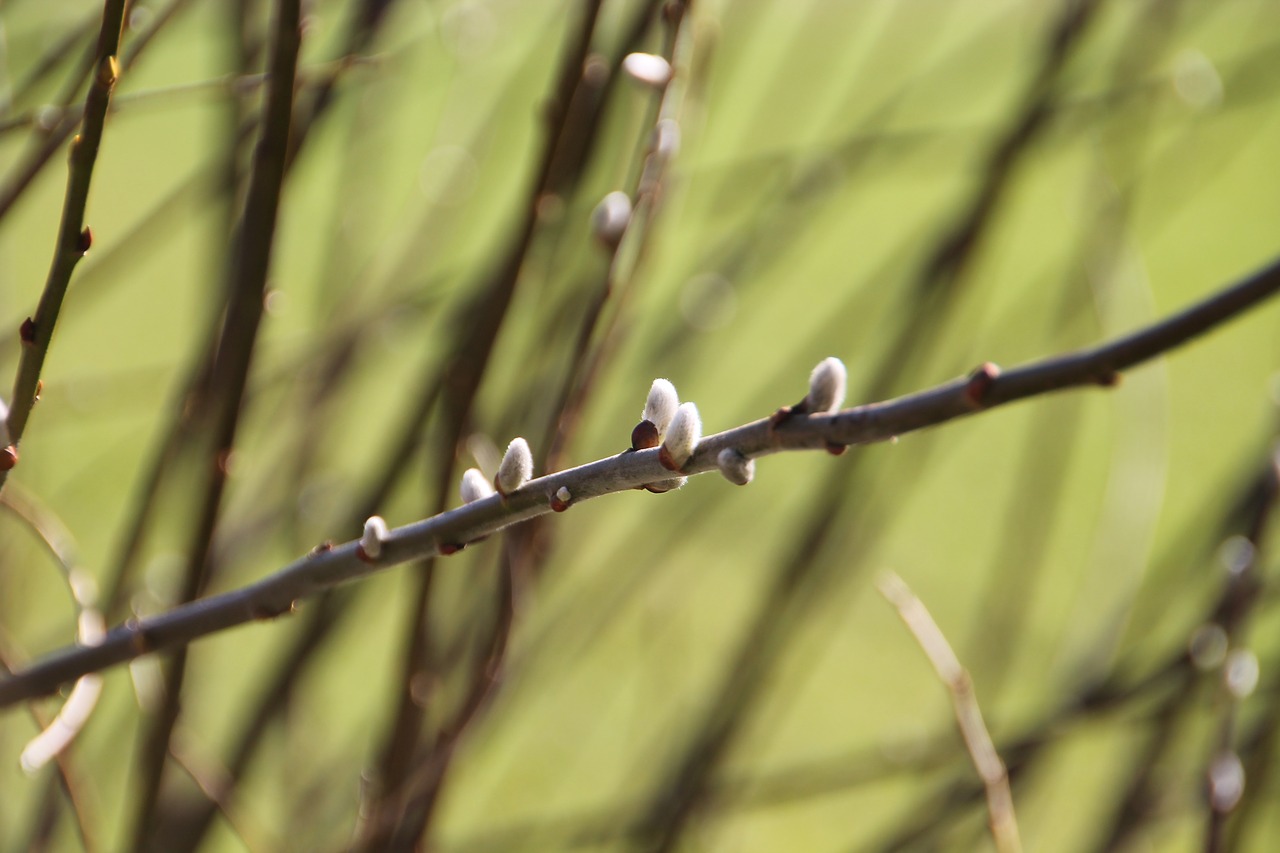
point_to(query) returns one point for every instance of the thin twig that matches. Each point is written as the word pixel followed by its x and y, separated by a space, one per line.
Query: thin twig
pixel 329 566
pixel 319 74
pixel 58 542
pixel 73 238
pixel 248 267
pixel 1225 776
pixel 455 384
pixel 26 171
pixel 59 731
pixel 995 778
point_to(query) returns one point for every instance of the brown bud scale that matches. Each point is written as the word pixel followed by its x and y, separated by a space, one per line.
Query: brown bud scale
pixel 644 436
pixel 8 458
pixel 664 457
pixel 980 381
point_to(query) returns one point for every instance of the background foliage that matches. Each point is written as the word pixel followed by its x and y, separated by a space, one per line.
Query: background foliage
pixel 914 186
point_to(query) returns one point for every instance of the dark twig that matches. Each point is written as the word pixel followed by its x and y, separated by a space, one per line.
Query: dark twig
pixel 327 567
pixel 73 237
pixel 25 172
pixel 456 383
pixel 249 266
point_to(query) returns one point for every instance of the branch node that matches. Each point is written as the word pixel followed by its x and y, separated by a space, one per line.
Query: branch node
pixel 979 384
pixel 560 500
pixel 138 639
pixel 108 72
pixel 263 612
pixel 27 332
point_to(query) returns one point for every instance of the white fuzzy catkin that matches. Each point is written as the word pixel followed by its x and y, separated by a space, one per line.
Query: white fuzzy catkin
pixel 611 216
pixel 4 423
pixel 516 467
pixel 826 386
pixel 684 434
pixel 375 533
pixel 562 495
pixel 474 486
pixel 661 406
pixel 737 468
pixel 647 68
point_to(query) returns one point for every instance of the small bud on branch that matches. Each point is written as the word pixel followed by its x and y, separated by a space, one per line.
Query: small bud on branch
pixel 611 217
pixel 648 69
pixel 826 387
pixel 474 486
pixel 560 500
pixel 659 409
pixel 736 467
pixel 661 405
pixel 975 391
pixel 375 533
pixel 682 438
pixel 516 468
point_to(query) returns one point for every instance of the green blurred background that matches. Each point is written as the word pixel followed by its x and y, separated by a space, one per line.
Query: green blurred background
pixel 828 150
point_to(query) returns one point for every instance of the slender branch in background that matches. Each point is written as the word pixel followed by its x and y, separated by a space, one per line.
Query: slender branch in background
pixel 520 554
pixel 57 540
pixel 26 171
pixel 1225 776
pixel 58 733
pixel 457 383
pixel 74 238
pixel 248 268
pixel 329 565
pixel 315 75
pixel 995 778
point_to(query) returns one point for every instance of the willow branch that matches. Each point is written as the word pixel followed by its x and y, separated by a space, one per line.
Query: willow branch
pixel 328 565
pixel 73 237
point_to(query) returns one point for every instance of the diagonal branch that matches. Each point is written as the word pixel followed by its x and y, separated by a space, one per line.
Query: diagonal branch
pixel 73 237
pixel 328 565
